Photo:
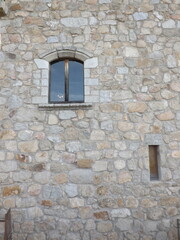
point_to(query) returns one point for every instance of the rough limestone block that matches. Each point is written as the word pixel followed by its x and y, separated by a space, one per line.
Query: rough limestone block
pixel 41 63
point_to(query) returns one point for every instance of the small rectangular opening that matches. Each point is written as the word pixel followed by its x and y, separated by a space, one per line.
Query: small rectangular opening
pixel 154 162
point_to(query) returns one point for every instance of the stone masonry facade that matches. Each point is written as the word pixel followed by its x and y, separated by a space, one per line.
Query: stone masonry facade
pixel 81 171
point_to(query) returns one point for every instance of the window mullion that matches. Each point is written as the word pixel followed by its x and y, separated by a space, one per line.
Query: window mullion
pixel 66 80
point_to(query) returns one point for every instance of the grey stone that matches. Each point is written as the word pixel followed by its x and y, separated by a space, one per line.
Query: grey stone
pixel 120 213
pixel 81 176
pixel 161 236
pixel 71 190
pixel 124 224
pixel 139 16
pixel 169 24
pixel 67 114
pixel 171 61
pixel 153 139
pixel 14 102
pixel 74 22
pixel 73 146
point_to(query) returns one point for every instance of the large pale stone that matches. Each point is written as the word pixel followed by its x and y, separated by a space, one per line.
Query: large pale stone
pixel 131 136
pixel 166 116
pixel 175 86
pixel 71 190
pixel 34 189
pixel 125 126
pixel 97 135
pixel 124 177
pixel 74 22
pixel 139 16
pixel 28 146
pixel 104 226
pixel 52 119
pixel 100 166
pixel 120 213
pixel 61 178
pixel 169 24
pixel 8 166
pixel 171 61
pixel 82 176
pixel 34 212
pixel 42 177
pixel 124 224
pixel 176 154
pixel 67 114
pixel 158 105
pixel 7 134
pixel 76 202
pixel 91 63
pixel 119 164
pixel 137 107
pixel 131 52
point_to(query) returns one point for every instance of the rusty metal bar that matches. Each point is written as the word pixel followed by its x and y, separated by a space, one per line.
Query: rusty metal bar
pixel 178 228
pixel 8 227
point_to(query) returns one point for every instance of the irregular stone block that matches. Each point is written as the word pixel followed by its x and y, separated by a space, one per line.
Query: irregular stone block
pixel 139 107
pixel 28 146
pixel 76 202
pixel 82 176
pixel 74 22
pixel 101 215
pixel 11 190
pixel 104 226
pixel 84 163
pixel 139 16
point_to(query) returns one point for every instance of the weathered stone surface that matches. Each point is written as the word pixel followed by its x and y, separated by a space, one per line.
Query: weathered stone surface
pixel 139 16
pixel 99 166
pixel 120 213
pixel 166 116
pixel 81 176
pixel 7 134
pixel 28 146
pixel 84 163
pixel 124 177
pixel 61 178
pixel 104 226
pixel 101 215
pixel 97 135
pixel 74 22
pixel 14 190
pixel 137 107
pixel 175 86
pixel 76 202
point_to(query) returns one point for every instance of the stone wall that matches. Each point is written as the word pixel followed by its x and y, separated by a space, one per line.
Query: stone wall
pixel 82 171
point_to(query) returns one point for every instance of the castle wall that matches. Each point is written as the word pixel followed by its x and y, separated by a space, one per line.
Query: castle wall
pixel 81 171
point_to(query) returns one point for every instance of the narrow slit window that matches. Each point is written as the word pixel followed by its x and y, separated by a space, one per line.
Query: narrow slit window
pixel 154 162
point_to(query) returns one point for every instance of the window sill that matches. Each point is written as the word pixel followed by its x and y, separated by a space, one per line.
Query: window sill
pixel 52 106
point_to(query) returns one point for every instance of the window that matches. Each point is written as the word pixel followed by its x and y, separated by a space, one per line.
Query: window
pixel 66 83
pixel 154 162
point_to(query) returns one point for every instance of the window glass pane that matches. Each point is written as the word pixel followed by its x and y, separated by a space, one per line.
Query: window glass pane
pixel 76 83
pixel 57 82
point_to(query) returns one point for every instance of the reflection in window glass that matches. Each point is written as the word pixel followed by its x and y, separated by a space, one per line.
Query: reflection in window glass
pixel 57 84
pixel 76 88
